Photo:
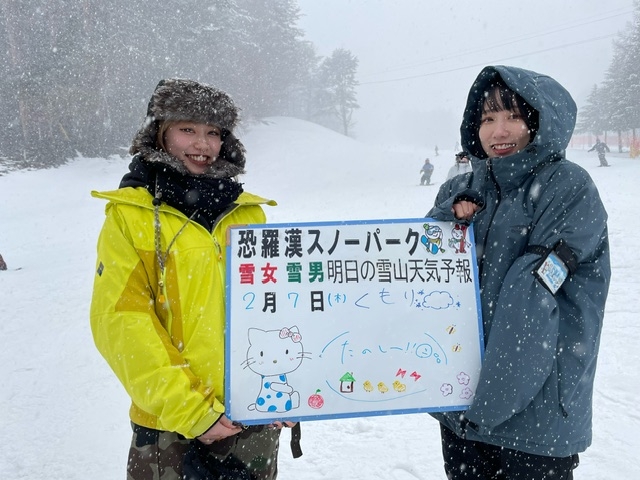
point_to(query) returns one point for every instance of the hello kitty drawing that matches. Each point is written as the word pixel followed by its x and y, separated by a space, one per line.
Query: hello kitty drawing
pixel 273 354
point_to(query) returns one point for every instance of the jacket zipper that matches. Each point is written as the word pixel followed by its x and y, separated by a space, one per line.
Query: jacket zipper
pixel 221 266
pixel 493 179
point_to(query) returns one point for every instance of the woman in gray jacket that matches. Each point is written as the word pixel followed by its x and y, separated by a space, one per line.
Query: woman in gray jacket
pixel 543 263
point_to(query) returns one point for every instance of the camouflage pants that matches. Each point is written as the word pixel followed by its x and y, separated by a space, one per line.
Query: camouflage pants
pixel 159 455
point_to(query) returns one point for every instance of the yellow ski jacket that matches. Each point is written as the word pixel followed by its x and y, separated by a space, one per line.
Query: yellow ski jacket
pixel 162 332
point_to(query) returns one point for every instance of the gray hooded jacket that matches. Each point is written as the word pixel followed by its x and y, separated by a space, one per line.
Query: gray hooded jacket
pixel 536 384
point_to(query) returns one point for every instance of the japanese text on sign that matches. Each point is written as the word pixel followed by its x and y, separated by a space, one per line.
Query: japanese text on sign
pixel 320 311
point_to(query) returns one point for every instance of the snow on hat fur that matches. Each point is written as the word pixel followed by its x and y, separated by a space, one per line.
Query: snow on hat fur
pixel 176 100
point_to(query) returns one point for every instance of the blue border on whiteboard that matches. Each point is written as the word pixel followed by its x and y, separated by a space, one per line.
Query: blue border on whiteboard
pixel 227 339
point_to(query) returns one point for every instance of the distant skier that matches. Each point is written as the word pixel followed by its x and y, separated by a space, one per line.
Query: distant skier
pixel 601 148
pixel 426 171
pixel 3 265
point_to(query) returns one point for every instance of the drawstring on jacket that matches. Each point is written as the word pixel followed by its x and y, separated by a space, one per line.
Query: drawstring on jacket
pixel 162 257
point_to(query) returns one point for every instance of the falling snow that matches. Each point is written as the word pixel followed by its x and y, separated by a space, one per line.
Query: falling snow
pixel 66 416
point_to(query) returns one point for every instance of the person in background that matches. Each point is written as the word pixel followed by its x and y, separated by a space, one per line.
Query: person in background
pixel 540 231
pixel 158 307
pixel 601 148
pixel 462 165
pixel 426 171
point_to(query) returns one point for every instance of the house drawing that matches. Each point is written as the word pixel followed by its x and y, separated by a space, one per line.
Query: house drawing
pixel 346 383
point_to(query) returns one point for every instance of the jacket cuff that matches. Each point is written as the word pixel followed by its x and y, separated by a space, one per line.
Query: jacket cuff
pixel 470 195
pixel 206 422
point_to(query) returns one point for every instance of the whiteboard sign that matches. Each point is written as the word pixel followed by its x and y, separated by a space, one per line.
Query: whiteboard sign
pixel 346 319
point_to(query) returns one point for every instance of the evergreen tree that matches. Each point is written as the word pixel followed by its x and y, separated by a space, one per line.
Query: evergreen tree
pixel 593 117
pixel 620 85
pixel 336 97
pixel 41 57
pixel 617 82
pixel 76 75
pixel 632 71
pixel 275 60
pixel 617 101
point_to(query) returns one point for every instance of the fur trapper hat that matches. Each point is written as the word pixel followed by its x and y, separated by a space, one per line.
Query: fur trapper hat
pixel 176 100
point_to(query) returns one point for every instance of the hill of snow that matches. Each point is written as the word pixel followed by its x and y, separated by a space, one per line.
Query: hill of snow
pixel 64 413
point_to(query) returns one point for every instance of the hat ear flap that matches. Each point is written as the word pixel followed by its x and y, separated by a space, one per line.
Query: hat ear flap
pixel 233 152
pixel 146 137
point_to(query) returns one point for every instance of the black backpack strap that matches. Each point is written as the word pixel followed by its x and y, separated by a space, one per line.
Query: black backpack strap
pixel 537 249
pixel 296 434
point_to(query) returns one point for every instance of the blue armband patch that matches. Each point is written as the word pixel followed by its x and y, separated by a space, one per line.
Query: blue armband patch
pixel 555 265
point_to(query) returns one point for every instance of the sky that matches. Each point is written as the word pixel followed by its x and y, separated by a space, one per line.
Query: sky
pixel 418 58
pixel 64 414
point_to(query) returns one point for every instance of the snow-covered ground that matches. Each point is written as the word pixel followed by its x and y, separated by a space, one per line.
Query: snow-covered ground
pixel 63 413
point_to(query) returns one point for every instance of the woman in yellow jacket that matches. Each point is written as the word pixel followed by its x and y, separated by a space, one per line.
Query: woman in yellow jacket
pixel 158 307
